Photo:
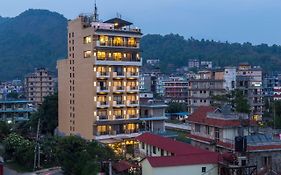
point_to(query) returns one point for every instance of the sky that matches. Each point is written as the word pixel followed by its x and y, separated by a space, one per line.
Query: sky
pixel 255 21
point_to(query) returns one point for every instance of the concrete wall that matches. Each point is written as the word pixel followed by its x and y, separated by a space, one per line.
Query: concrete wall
pixel 211 169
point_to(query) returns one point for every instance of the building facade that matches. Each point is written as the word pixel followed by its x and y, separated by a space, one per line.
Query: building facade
pixel 38 85
pixel 203 87
pixel 98 83
pixel 176 89
pixel 249 81
pixel 13 111
pixel 216 129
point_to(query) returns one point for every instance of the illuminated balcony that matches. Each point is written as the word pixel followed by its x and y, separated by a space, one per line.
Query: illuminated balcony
pixel 118 104
pixel 119 62
pixel 102 118
pixel 118 117
pixel 102 104
pixel 117 45
pixel 133 103
pixel 132 88
pixel 102 89
pixel 102 75
pixel 133 74
pixel 118 89
pixel 118 75
pixel 132 116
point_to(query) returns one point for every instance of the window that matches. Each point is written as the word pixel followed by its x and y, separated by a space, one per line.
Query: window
pixel 87 54
pixel 208 130
pixel 162 152
pixel 101 55
pixel 103 40
pixel 203 169
pixel 197 128
pixel 118 41
pixel 142 145
pixel 87 39
pixel 132 42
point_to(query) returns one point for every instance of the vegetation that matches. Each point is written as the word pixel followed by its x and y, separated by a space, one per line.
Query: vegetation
pixel 4 130
pixel 273 109
pixel 176 107
pixel 42 40
pixel 48 114
pixel 235 98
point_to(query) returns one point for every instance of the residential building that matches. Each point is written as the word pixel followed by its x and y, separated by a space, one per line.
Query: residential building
pixel 206 64
pixel 14 86
pixel 148 82
pixel 152 116
pixel 203 87
pixel 230 74
pixel 13 111
pixel 276 93
pixel 98 83
pixel 163 156
pixel 38 85
pixel 249 81
pixel 193 63
pixel 270 81
pixel 216 129
pixel 176 89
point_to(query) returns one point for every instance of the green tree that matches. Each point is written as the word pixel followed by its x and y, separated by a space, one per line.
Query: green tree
pixel 176 107
pixel 48 114
pixel 241 103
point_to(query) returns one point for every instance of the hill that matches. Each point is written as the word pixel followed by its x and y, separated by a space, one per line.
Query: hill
pixel 177 50
pixel 35 38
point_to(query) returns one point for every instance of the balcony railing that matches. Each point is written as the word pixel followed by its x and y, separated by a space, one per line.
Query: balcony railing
pixel 102 89
pixel 102 117
pixel 118 74
pixel 133 88
pixel 118 89
pixel 133 103
pixel 112 44
pixel 118 117
pixel 133 116
pixel 133 74
pixel 102 104
pixel 102 74
pixel 118 103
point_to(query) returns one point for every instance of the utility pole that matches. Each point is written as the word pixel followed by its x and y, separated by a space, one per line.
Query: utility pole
pixel 36 163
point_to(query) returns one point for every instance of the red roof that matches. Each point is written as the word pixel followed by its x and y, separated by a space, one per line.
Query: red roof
pixel 170 145
pixel 193 159
pixel 200 116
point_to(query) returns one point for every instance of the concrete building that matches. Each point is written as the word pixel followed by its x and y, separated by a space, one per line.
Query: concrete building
pixel 249 81
pixel 193 63
pixel 38 85
pixel 276 93
pixel 205 85
pixel 13 111
pixel 230 74
pixel 176 89
pixel 216 129
pixel 152 116
pixel 148 82
pixel 98 83
pixel 164 156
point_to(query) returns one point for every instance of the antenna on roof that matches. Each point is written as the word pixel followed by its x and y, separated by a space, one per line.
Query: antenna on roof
pixel 96 15
pixel 118 15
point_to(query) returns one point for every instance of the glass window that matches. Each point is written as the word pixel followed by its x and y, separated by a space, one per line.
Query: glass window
pixel 118 41
pixel 117 56
pixel 103 40
pixel 87 39
pixel 101 55
pixel 132 42
pixel 87 54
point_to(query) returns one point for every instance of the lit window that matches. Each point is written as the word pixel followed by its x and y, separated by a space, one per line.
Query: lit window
pixel 103 40
pixel 118 41
pixel 101 55
pixel 87 54
pixel 87 39
pixel 117 56
pixel 132 42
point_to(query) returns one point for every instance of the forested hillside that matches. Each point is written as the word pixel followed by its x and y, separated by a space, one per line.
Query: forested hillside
pixel 37 38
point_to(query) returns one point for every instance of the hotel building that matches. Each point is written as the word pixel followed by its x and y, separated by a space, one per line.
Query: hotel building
pixel 98 83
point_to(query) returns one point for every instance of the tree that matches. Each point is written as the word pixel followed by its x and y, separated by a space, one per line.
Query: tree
pixel 241 103
pixel 176 107
pixel 48 114
pixel 13 95
pixel 4 129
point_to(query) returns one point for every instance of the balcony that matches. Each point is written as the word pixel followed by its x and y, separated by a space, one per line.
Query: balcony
pixel 118 75
pixel 101 89
pixel 118 104
pixel 122 45
pixel 118 117
pixel 132 103
pixel 132 88
pixel 102 75
pixel 133 74
pixel 133 116
pixel 102 118
pixel 118 62
pixel 102 104
pixel 118 89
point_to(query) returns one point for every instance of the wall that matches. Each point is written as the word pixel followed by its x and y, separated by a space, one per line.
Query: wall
pixel 178 170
